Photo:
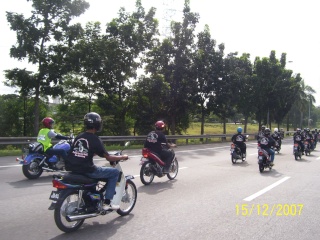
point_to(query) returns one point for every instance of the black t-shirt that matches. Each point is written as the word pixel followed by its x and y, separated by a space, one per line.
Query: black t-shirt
pixel 154 140
pixel 84 147
pixel 238 138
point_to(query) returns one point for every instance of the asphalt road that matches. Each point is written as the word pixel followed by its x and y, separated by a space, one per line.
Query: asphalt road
pixel 211 198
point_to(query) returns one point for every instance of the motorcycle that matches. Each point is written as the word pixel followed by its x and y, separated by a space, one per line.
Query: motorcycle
pixel 152 165
pixel 263 159
pixel 297 151
pixel 79 197
pixel 277 147
pixel 34 161
pixel 236 153
pixel 307 149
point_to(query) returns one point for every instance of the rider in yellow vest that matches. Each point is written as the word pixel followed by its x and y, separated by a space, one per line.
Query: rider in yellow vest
pixel 45 135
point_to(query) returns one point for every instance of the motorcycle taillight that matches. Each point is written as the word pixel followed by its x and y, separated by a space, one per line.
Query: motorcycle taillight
pixel 260 153
pixel 296 144
pixel 232 145
pixel 145 152
pixel 57 184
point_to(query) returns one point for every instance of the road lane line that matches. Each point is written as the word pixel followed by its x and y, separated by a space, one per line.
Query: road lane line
pixel 257 194
pixel 11 166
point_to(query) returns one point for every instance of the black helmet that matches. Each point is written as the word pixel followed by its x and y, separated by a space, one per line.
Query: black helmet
pixel 93 120
pixel 267 131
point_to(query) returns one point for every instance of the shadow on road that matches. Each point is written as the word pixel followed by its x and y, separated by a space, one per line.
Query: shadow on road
pixel 97 229
pixel 25 183
pixel 156 187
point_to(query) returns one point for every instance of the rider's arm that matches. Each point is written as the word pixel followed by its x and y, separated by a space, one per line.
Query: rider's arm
pixel 114 158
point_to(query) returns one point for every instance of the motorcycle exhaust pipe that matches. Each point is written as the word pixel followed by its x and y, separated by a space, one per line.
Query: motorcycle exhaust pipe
pixel 80 217
pixel 48 169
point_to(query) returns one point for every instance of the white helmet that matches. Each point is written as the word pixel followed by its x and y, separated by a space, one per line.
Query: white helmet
pixel 276 130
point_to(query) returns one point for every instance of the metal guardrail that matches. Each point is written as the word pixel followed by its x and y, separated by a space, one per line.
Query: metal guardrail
pixel 206 137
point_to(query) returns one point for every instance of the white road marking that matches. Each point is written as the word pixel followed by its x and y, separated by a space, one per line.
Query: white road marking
pixel 19 165
pixel 257 194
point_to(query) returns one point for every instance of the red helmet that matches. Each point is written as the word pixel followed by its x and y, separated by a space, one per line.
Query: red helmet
pixel 159 125
pixel 47 122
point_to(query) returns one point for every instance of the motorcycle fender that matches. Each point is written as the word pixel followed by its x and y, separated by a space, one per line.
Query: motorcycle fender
pixel 62 193
pixel 29 158
pixel 143 160
pixel 127 177
pixel 260 159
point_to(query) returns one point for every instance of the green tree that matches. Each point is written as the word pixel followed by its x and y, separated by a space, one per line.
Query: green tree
pixel 207 62
pixel 172 58
pixel 44 40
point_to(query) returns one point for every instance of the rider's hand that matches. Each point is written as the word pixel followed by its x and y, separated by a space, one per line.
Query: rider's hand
pixel 125 157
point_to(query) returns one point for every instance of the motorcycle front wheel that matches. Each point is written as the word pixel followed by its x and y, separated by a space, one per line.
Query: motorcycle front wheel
pixel 146 173
pixel 68 206
pixel 129 199
pixel 173 170
pixel 33 169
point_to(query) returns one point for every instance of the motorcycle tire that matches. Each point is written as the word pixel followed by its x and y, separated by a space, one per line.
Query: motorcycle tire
pixel 173 170
pixel 261 167
pixel 233 160
pixel 296 156
pixel 33 169
pixel 68 206
pixel 129 199
pixel 146 173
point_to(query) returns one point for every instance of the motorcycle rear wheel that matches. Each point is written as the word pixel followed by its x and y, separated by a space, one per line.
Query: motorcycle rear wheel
pixel 296 156
pixel 146 173
pixel 68 206
pixel 173 170
pixel 261 167
pixel 129 199
pixel 33 169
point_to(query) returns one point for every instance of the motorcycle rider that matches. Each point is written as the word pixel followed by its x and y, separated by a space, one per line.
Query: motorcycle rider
pixel 266 143
pixel 261 133
pixel 299 138
pixel 315 137
pixel 309 138
pixel 45 135
pixel 281 133
pixel 154 142
pixel 277 137
pixel 80 158
pixel 239 139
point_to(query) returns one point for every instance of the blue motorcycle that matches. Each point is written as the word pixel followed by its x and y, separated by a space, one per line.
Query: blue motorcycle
pixel 34 161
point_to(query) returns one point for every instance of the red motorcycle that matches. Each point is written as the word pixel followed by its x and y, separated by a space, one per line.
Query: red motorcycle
pixel 152 165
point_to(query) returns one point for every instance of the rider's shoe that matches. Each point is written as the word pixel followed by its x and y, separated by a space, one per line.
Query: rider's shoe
pixel 60 164
pixel 271 164
pixel 107 207
pixel 166 169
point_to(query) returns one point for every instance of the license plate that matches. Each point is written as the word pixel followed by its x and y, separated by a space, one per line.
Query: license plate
pixel 54 195
pixel 260 158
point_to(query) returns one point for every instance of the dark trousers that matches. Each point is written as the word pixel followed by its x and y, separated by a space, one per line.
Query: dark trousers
pixel 166 156
pixel 58 152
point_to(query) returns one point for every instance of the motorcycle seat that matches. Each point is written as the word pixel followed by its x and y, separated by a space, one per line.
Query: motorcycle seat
pixel 78 178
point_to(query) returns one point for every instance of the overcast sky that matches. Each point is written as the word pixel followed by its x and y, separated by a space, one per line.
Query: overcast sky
pixel 252 26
